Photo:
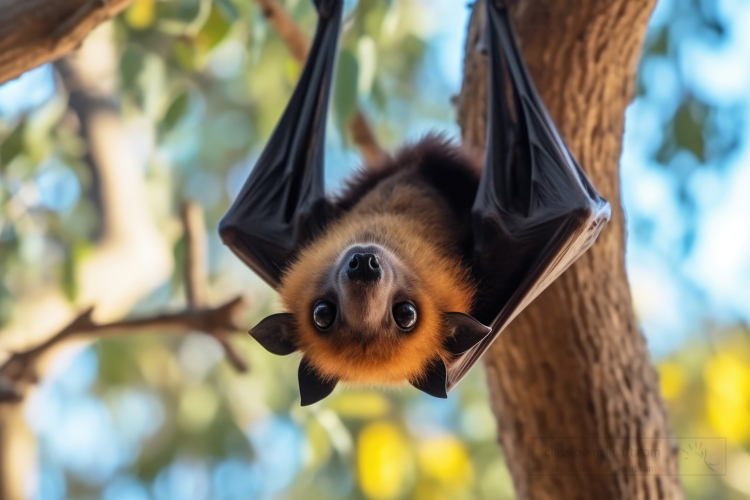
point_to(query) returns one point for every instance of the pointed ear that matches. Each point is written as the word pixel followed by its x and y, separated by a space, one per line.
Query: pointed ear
pixel 434 380
pixel 313 387
pixel 464 332
pixel 276 333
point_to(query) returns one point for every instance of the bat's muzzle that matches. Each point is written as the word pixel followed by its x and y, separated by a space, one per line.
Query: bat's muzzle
pixel 364 267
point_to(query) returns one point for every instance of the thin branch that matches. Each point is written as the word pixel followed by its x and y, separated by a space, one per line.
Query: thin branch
pixel 20 368
pixel 33 32
pixel 299 45
pixel 196 277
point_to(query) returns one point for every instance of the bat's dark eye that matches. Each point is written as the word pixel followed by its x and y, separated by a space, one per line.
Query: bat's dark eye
pixel 323 314
pixel 405 315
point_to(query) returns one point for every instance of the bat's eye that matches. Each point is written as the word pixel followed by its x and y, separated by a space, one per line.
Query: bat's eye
pixel 405 315
pixel 323 314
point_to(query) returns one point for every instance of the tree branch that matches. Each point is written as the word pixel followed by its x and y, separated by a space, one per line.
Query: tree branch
pixel 33 32
pixel 20 369
pixel 299 45
pixel 196 278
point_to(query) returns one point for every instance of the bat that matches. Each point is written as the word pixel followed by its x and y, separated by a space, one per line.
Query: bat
pixel 421 263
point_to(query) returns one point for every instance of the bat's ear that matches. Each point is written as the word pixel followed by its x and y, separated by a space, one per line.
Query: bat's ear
pixel 313 387
pixel 276 334
pixel 434 380
pixel 464 332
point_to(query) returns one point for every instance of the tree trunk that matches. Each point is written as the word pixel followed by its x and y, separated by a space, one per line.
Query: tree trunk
pixel 574 367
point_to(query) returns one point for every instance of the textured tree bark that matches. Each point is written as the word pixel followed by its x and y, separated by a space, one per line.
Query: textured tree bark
pixel 574 364
pixel 33 32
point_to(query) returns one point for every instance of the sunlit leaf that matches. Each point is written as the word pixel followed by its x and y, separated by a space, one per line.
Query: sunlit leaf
pixel 373 12
pixel 368 58
pixel 213 31
pixel 78 252
pixel 184 54
pixel 292 68
pixel 141 14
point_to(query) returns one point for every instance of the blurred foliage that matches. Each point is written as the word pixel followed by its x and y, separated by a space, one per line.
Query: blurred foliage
pixel 202 83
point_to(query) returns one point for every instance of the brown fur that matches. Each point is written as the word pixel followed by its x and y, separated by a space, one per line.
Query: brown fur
pixel 417 207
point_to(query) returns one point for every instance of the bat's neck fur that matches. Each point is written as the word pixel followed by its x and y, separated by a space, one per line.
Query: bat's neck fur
pixel 418 207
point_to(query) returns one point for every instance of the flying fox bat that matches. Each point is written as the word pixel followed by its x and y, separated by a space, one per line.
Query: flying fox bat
pixel 395 280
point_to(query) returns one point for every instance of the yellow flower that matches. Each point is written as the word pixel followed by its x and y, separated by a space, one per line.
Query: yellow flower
pixel 671 380
pixel 445 458
pixel 728 396
pixel 383 461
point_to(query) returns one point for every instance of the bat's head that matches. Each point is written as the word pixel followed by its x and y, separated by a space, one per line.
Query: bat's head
pixel 382 311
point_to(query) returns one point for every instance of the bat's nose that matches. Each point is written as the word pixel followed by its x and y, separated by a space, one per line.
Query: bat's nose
pixel 363 267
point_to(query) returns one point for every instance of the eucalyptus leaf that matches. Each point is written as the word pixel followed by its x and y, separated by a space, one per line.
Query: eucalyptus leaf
pixel 228 9
pixel 345 90
pixel 12 145
pixel 176 111
pixel 213 31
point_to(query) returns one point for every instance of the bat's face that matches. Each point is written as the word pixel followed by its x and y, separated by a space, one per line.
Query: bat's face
pixel 366 317
pixel 377 311
pixel 367 297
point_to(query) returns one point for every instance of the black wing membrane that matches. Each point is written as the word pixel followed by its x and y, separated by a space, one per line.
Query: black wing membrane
pixel 282 204
pixel 535 211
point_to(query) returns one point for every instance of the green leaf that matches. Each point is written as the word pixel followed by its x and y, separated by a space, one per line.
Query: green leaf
pixel 130 67
pixel 69 279
pixel 688 128
pixel 12 145
pixel 228 9
pixel 213 31
pixel 179 252
pixel 345 90
pixel 660 45
pixel 378 95
pixel 184 55
pixel 176 111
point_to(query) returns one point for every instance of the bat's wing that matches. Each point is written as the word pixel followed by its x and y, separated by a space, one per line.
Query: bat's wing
pixel 282 204
pixel 536 211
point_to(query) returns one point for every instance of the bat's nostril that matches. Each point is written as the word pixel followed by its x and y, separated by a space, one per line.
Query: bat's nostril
pixel 364 267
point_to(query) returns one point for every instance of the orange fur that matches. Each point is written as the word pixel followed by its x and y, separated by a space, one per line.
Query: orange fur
pixel 412 223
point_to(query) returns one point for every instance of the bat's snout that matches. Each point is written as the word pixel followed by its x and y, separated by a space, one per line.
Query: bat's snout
pixel 364 267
